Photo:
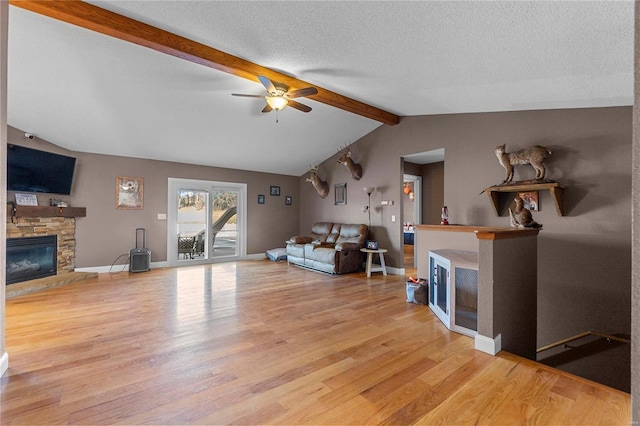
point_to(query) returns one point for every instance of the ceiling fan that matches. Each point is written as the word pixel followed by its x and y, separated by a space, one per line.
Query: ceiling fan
pixel 278 96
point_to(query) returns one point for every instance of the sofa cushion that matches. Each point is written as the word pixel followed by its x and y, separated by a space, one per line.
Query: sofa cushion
pixel 332 238
pixel 352 233
pixel 295 250
pixel 320 231
pixel 324 255
pixel 299 239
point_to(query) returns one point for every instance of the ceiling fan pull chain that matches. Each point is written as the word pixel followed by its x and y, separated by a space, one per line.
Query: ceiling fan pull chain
pixel 276 116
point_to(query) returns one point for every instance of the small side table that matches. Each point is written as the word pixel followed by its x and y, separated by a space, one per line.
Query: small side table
pixel 373 267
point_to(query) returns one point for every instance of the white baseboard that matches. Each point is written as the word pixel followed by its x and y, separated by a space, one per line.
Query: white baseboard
pixel 4 363
pixel 256 256
pixel 395 271
pixel 154 265
pixel 489 345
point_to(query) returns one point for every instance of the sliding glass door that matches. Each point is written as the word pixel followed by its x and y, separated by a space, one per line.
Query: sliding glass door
pixel 193 205
pixel 206 221
pixel 224 222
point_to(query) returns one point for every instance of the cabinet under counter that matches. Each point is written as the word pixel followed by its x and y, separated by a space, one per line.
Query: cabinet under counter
pixel 507 280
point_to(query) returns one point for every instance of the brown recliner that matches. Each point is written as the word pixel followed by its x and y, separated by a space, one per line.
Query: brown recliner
pixel 330 247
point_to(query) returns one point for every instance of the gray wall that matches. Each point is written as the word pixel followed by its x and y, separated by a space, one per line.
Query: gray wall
pixel 635 344
pixel 432 193
pixel 577 253
pixel 105 233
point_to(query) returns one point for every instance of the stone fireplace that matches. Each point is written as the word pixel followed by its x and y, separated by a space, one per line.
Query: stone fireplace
pixel 63 228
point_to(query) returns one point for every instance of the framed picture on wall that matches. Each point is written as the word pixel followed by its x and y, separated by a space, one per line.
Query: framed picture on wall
pixel 260 199
pixel 288 200
pixel 340 190
pixel 129 193
pixel 530 200
pixel 274 190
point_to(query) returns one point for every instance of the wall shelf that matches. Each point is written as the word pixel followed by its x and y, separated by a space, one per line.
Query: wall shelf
pixel 555 189
pixel 46 211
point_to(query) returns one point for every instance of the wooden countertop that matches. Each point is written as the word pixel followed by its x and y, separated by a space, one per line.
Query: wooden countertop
pixel 482 232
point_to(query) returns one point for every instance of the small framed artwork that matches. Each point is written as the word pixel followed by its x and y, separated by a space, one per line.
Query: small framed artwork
pixel 129 193
pixel 372 245
pixel 26 199
pixel 530 200
pixel 260 199
pixel 288 200
pixel 274 190
pixel 341 194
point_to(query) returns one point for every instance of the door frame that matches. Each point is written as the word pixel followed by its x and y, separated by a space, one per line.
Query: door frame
pixel 172 219
pixel 417 209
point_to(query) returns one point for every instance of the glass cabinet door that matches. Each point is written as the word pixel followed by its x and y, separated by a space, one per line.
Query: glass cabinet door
pixel 442 295
pixel 439 291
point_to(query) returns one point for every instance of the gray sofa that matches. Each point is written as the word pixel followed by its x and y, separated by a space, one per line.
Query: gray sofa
pixel 330 247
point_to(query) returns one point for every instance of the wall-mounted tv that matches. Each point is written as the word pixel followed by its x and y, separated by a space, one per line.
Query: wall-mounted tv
pixel 32 170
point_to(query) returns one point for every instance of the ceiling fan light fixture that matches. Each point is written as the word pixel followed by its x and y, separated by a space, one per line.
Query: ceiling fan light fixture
pixel 277 102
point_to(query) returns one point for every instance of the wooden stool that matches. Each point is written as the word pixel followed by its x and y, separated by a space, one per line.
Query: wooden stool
pixel 373 267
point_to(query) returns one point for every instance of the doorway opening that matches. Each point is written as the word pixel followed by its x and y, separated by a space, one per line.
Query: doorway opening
pixel 422 196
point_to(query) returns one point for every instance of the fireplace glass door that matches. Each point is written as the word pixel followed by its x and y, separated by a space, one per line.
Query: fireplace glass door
pixel 31 257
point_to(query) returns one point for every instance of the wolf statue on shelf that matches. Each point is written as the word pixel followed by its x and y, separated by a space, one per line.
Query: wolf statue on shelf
pixel 534 155
pixel 521 217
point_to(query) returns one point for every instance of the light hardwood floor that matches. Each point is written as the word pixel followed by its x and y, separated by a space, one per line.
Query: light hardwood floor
pixel 259 342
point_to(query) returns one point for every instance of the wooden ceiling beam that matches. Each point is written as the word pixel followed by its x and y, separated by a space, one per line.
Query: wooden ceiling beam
pixel 105 22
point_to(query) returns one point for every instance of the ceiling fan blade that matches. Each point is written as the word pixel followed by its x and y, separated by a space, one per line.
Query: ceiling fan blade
pixel 307 91
pixel 298 106
pixel 268 84
pixel 247 96
pixel 267 108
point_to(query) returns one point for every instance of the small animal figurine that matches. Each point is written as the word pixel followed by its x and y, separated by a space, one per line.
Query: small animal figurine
pixel 534 155
pixel 522 217
pixel 321 186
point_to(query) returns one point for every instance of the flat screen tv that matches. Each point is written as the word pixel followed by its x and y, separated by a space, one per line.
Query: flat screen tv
pixel 32 170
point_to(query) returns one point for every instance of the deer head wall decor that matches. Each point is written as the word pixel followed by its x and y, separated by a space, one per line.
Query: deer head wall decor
pixel 321 186
pixel 354 168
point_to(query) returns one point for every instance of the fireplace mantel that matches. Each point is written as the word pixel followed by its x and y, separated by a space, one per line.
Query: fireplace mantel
pixel 46 211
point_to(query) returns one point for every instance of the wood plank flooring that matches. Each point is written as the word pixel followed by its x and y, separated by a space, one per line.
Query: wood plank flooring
pixel 264 343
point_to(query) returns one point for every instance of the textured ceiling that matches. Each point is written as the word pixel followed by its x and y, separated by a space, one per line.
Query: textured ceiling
pixel 89 92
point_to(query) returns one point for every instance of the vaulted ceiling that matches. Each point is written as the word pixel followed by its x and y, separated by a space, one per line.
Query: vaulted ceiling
pixel 93 92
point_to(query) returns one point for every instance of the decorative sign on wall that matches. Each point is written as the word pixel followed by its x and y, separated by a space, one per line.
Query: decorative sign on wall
pixel 129 193
pixel 26 199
